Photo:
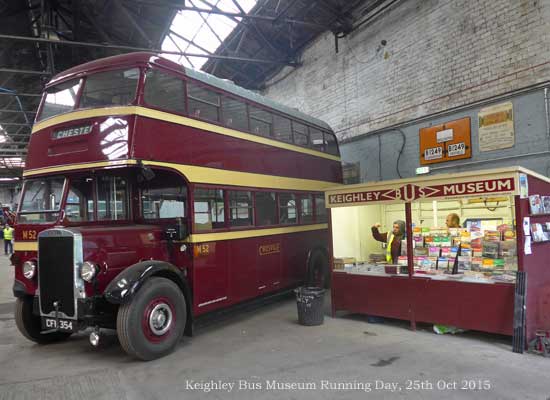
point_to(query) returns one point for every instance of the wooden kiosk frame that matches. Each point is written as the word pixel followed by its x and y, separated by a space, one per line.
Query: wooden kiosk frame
pixel 468 305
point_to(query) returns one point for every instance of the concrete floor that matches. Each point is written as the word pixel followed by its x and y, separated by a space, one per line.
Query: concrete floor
pixel 256 348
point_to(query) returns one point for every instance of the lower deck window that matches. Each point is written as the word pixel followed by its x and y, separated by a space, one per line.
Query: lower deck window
pixel 209 209
pixel 266 208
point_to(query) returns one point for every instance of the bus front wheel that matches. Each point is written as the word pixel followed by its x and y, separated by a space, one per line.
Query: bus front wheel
pixel 152 324
pixel 318 270
pixel 29 324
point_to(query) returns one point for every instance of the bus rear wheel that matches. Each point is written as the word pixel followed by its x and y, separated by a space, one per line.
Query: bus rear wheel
pixel 152 324
pixel 318 270
pixel 29 324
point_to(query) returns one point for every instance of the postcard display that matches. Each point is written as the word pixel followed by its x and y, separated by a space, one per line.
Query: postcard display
pixel 464 277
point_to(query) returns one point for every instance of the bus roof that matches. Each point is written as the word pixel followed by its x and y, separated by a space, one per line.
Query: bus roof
pixel 145 58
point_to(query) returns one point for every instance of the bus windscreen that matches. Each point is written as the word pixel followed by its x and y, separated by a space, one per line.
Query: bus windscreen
pixel 102 89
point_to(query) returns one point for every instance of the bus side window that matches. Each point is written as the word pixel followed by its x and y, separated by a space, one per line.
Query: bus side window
pixel 287 208
pixel 163 202
pixel 300 133
pixel 317 141
pixel 234 114
pixel 320 210
pixel 260 121
pixel 306 209
pixel 203 103
pixel 241 211
pixel 331 145
pixel 282 129
pixel 266 208
pixel 209 209
pixel 164 91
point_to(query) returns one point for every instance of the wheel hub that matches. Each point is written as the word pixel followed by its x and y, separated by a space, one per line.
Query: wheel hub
pixel 160 319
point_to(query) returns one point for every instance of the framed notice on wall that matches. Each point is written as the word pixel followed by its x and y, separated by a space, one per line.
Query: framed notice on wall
pixel 447 142
pixel 496 127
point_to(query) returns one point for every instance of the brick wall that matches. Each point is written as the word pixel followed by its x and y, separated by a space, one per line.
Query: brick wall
pixel 440 54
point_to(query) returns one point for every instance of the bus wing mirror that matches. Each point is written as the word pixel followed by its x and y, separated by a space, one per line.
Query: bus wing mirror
pixel 145 173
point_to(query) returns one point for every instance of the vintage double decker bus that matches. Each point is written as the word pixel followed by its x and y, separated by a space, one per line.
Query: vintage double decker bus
pixel 154 194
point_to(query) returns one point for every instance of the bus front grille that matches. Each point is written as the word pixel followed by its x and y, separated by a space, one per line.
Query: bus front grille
pixel 56 275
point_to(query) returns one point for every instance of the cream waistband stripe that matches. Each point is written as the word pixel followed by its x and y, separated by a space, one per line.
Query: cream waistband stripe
pixel 213 237
pixel 196 174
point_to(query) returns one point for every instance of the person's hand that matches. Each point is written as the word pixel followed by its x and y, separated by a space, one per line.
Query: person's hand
pixel 377 225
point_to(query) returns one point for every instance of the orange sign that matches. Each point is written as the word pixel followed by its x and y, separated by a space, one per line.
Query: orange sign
pixel 266 249
pixel 447 142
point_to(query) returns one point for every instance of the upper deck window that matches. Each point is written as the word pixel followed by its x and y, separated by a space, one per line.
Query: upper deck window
pixel 203 103
pixel 111 88
pixel 60 99
pixel 300 134
pixel 317 141
pixel 260 122
pixel 164 91
pixel 331 145
pixel 282 129
pixel 235 114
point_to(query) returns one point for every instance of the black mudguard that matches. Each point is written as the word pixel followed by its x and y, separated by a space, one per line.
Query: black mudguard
pixel 124 287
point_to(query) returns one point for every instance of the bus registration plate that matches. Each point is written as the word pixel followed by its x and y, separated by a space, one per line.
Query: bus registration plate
pixel 456 149
pixel 433 153
pixel 65 325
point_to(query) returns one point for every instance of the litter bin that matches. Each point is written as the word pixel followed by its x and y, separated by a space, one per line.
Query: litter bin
pixel 310 302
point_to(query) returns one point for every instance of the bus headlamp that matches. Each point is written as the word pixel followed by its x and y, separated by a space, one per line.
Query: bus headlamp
pixel 88 271
pixel 29 269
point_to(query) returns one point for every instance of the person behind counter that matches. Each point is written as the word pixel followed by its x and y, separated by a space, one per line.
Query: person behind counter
pixel 392 239
pixel 452 221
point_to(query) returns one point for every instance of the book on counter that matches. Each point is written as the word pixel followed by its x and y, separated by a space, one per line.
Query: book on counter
pixel 535 204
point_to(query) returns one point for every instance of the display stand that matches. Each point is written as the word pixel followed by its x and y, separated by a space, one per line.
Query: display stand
pixel 484 304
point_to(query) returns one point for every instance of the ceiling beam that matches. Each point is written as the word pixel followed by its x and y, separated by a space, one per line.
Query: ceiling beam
pixel 11 152
pixel 21 94
pixel 131 48
pixel 2 110
pixel 238 15
pixel 24 71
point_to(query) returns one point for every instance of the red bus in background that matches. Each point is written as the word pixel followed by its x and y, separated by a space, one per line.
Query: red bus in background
pixel 154 194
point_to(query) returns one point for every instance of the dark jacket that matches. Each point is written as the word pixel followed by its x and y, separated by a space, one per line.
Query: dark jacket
pixel 395 244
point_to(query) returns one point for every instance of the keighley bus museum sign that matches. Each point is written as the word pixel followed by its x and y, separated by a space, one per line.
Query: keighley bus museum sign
pixel 410 192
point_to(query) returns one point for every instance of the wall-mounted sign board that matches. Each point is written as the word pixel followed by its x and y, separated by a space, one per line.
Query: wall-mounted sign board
pixel 496 127
pixel 447 142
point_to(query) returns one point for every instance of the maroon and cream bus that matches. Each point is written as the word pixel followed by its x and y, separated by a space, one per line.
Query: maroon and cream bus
pixel 154 194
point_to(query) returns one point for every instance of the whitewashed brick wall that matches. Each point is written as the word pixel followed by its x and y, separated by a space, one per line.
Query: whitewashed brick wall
pixel 439 54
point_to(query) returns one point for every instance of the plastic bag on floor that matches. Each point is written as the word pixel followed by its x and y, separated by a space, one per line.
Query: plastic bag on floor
pixel 443 329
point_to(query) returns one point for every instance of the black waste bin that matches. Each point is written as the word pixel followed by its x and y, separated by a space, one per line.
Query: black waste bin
pixel 310 302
